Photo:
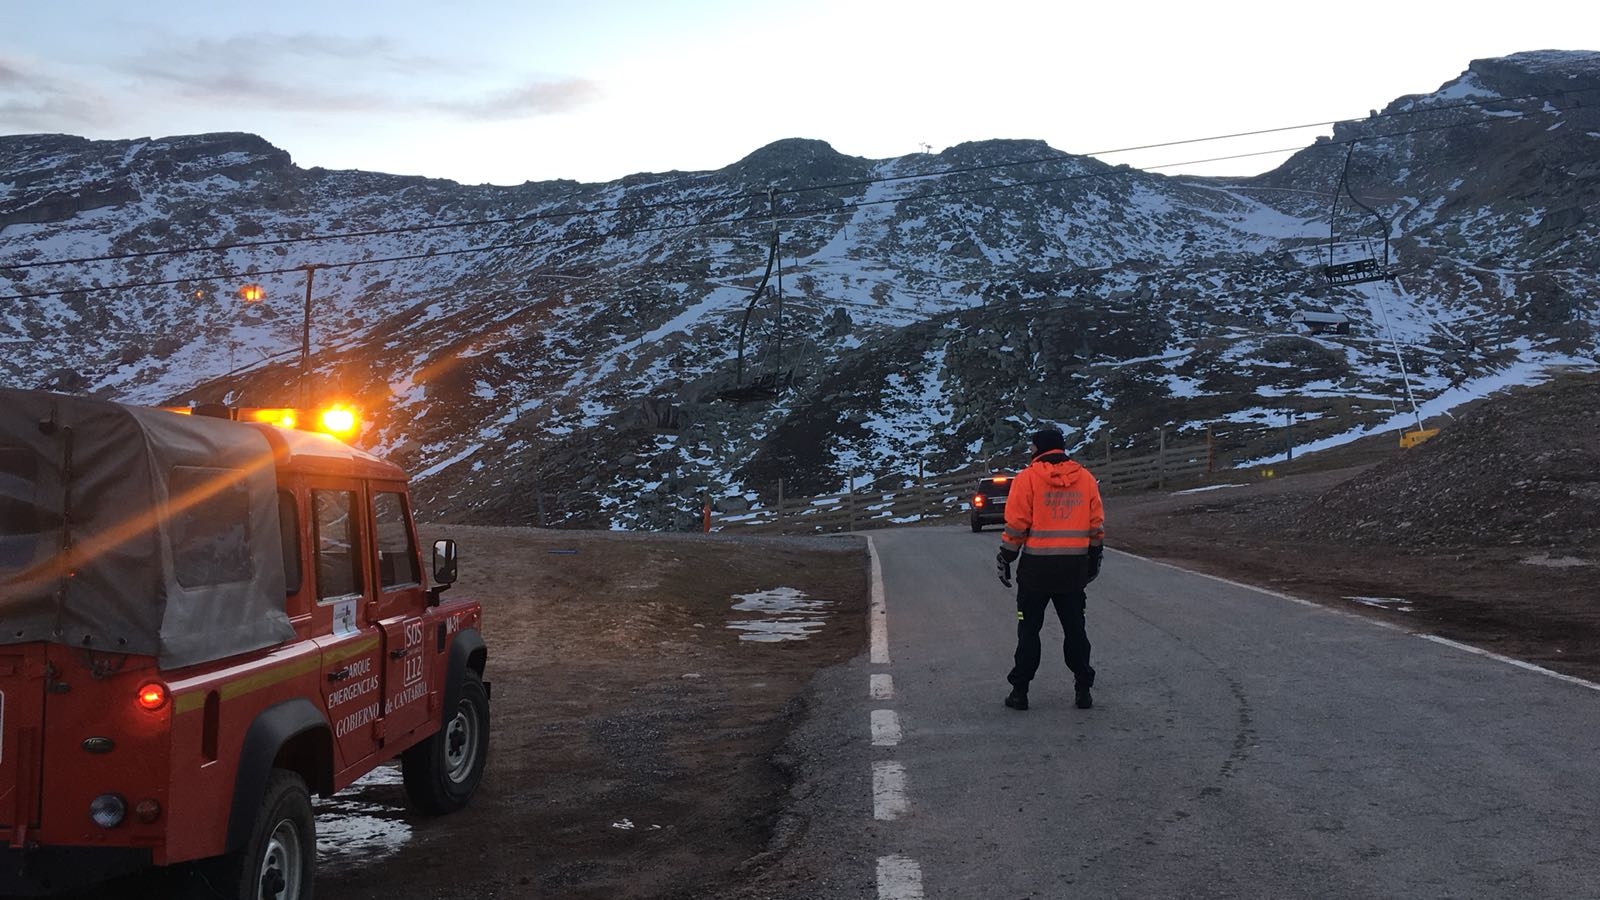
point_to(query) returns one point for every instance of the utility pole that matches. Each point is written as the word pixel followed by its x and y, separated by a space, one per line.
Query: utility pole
pixel 305 342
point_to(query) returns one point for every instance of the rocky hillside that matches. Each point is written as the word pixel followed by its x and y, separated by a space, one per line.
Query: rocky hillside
pixel 1520 470
pixel 598 354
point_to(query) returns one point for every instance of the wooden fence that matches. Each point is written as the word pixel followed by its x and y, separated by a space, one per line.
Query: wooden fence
pixel 945 497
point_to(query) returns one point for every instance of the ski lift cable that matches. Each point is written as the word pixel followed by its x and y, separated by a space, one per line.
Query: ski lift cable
pixel 734 198
pixel 744 324
pixel 427 255
pixel 1400 358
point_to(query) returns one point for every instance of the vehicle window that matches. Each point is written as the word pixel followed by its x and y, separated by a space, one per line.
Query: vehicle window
pixel 397 555
pixel 19 519
pixel 289 534
pixel 210 526
pixel 338 563
pixel 992 488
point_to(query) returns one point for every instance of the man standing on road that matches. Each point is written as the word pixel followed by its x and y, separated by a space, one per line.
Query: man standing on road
pixel 1055 522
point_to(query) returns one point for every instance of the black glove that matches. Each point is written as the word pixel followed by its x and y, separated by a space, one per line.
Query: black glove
pixel 1095 553
pixel 1002 564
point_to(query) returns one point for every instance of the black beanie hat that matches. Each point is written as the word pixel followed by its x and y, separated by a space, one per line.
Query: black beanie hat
pixel 1048 439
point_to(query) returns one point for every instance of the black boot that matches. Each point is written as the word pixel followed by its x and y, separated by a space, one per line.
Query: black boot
pixel 1085 701
pixel 1017 699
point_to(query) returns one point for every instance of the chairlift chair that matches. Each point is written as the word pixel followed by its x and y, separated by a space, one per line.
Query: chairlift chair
pixel 1368 268
pixel 767 386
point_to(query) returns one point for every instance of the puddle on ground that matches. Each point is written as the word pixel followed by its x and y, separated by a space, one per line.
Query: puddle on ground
pixel 787 614
pixel 627 825
pixel 354 830
pixel 1398 604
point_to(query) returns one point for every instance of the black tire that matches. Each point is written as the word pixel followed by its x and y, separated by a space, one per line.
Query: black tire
pixel 441 773
pixel 976 525
pixel 279 859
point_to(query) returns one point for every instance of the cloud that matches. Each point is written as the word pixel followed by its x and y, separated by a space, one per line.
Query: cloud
pixel 34 101
pixel 290 72
pixel 537 98
pixel 311 73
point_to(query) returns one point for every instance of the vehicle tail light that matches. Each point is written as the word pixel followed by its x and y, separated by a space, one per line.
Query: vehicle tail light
pixel 1000 479
pixel 977 499
pixel 153 696
pixel 147 811
pixel 108 810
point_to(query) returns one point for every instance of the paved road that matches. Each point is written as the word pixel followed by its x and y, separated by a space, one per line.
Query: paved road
pixel 1242 745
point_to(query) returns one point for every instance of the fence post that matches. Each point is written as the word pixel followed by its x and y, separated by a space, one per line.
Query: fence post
pixel 779 519
pixel 1211 452
pixel 538 492
pixel 850 504
pixel 920 495
pixel 1161 460
pixel 705 514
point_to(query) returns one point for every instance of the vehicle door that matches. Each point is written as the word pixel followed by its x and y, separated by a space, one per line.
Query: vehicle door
pixel 352 654
pixel 22 690
pixel 22 666
pixel 400 607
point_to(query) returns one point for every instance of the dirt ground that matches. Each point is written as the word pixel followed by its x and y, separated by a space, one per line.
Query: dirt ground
pixel 637 729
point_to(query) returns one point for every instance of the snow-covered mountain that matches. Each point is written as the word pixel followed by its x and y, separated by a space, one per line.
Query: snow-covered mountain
pixel 566 350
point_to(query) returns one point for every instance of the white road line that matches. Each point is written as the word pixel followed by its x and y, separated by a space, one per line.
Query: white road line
pixel 885 728
pixel 1379 623
pixel 1238 584
pixel 899 878
pixel 882 686
pixel 880 610
pixel 1541 670
pixel 889 800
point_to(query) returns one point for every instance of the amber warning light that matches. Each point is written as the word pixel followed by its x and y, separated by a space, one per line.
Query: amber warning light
pixel 338 420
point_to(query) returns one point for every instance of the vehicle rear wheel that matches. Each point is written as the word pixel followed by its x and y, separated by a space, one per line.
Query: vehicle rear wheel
pixel 441 773
pixel 976 525
pixel 278 861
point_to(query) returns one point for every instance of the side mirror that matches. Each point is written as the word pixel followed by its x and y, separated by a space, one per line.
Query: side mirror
pixel 444 564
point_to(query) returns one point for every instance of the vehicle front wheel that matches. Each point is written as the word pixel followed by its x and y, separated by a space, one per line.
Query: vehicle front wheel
pixel 278 862
pixel 441 773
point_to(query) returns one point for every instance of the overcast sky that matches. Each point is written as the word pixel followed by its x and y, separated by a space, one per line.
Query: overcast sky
pixel 592 90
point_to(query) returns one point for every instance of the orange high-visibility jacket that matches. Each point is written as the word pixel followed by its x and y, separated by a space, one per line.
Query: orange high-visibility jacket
pixel 1054 509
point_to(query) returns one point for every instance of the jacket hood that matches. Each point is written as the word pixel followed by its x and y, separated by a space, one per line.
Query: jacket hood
pixel 1056 468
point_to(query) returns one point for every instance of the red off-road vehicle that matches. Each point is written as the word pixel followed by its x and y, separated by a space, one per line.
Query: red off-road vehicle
pixel 203 622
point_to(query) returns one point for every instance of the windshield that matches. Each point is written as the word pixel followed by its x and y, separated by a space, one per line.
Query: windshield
pixel 991 488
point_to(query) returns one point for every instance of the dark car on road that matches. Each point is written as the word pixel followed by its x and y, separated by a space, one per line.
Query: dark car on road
pixel 988 501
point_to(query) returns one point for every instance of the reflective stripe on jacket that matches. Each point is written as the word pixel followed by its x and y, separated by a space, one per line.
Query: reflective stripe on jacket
pixel 1054 509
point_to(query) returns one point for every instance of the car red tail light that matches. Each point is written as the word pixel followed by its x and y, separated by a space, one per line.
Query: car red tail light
pixel 977 499
pixel 153 696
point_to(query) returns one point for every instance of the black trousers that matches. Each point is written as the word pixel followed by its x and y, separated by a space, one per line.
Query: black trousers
pixel 1069 606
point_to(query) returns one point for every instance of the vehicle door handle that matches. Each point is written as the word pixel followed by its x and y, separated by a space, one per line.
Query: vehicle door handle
pixel 398 653
pixel 339 674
